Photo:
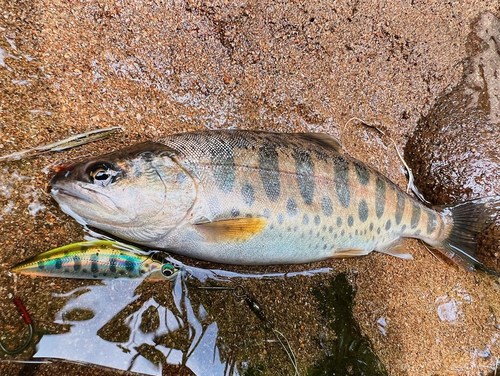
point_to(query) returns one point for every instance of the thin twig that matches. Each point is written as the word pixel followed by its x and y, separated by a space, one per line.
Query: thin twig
pixel 67 143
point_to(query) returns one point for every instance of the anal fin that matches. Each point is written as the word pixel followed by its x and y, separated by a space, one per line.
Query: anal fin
pixel 396 249
pixel 236 230
pixel 345 253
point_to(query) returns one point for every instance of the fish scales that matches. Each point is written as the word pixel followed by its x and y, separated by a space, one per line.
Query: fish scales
pixel 313 197
pixel 247 197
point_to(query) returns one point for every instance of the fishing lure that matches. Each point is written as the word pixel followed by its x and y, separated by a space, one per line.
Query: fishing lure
pixel 98 259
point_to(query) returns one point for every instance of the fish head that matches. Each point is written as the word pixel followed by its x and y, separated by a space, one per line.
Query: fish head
pixel 139 193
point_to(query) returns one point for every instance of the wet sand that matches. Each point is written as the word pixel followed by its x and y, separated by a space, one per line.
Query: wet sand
pixel 155 68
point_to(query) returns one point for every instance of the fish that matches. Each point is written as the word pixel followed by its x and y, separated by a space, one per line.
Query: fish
pixel 97 259
pixel 260 198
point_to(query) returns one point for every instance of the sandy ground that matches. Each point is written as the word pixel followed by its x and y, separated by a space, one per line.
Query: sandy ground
pixel 156 67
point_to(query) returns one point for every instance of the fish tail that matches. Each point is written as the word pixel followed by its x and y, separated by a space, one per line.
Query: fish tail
pixel 466 220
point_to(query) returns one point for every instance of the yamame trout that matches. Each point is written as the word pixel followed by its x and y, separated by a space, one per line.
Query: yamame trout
pixel 246 197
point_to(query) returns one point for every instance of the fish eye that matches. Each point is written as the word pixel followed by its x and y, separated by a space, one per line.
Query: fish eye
pixel 102 175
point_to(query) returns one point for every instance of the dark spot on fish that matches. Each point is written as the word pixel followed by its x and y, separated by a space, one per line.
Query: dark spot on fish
pixel 95 275
pixel 83 249
pixel 317 235
pixel 223 165
pixel 362 172
pixel 142 271
pixel 378 230
pixel 342 233
pixel 235 212
pixel 121 272
pixel 317 220
pixel 327 206
pixel 441 228
pixel 104 274
pixel 371 226
pixel 271 226
pixel 431 222
pixel 291 207
pixel 403 228
pixel 280 218
pixel 269 171
pixel 112 265
pixel 58 264
pixel 388 225
pixel 248 193
pixel 415 215
pixel 310 232
pixel 356 232
pixel 339 221
pixel 342 181
pixel 324 228
pixel 304 167
pixel 330 229
pixel 295 228
pixel 305 219
pixel 379 197
pixel 400 206
pixel 41 265
pixel 267 213
pixel 289 228
pixel 84 270
pixel 129 266
pixel 350 221
pixel 325 246
pixel 335 236
pixel 363 211
pixel 418 232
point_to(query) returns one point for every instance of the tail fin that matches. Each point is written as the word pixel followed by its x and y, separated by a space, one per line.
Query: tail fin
pixel 468 220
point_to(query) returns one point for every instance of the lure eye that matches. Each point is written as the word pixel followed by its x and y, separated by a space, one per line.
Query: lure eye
pixel 167 270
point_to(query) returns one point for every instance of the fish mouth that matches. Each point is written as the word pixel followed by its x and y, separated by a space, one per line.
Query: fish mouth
pixel 57 191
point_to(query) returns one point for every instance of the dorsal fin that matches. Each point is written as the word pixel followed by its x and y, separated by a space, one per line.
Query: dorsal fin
pixel 322 139
pixel 236 230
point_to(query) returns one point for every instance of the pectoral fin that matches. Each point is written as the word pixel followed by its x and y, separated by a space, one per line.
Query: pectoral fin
pixel 235 230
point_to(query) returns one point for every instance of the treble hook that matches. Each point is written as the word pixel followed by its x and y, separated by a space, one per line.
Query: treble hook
pixel 27 320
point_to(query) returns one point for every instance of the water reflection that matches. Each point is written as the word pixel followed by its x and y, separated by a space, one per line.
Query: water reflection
pixel 147 326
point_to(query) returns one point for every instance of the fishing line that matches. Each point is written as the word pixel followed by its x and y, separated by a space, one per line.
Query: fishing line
pixel 254 306
pixel 409 174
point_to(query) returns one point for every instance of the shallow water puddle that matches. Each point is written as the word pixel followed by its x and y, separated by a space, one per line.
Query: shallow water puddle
pixel 147 327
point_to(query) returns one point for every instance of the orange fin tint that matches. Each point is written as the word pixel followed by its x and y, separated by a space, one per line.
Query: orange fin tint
pixel 236 230
pixel 396 249
pixel 349 253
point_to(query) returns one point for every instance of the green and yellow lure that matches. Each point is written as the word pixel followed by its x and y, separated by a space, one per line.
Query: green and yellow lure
pixel 97 259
